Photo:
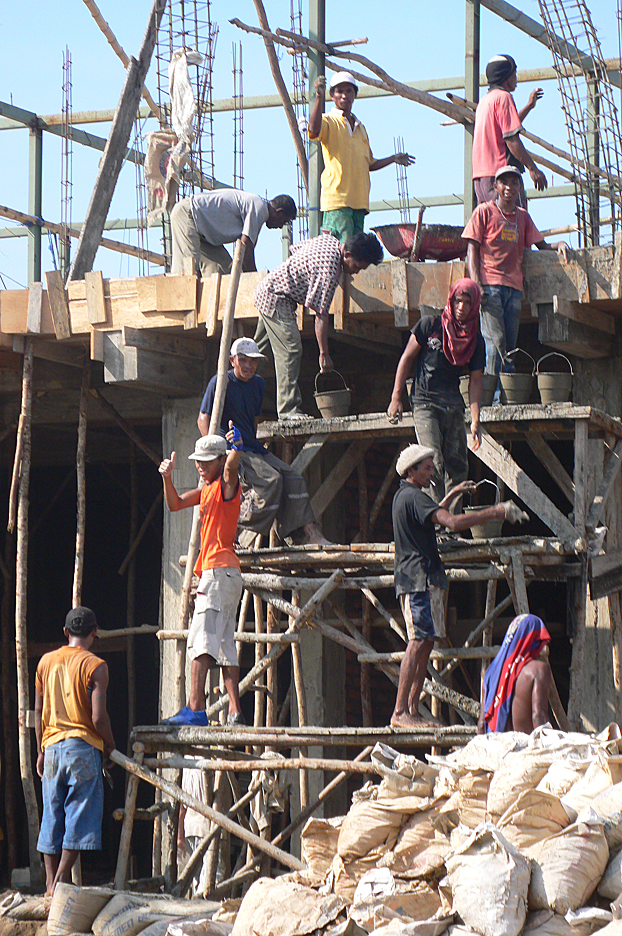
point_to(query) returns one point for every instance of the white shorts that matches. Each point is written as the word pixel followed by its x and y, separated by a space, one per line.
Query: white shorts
pixel 213 622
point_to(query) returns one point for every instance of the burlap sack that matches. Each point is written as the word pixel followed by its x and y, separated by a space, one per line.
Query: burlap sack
pixel 373 823
pixel 318 843
pixel 519 771
pixel 273 908
pixel 489 882
pixel 568 866
pixel 534 817
pixel 414 839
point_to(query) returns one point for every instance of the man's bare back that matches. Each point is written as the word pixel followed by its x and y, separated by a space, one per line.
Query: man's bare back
pixel 531 696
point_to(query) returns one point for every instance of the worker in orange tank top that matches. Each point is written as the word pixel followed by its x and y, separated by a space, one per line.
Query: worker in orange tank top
pixel 211 634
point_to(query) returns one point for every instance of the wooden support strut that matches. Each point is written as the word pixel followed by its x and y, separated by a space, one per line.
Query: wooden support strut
pixel 191 802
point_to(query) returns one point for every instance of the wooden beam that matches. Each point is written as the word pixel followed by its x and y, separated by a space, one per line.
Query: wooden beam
pixel 35 307
pixel 312 447
pixel 552 463
pixel 580 474
pixel 571 337
pixel 163 342
pixel 338 476
pixel 606 486
pixel 492 454
pixel 59 305
pixel 116 146
pixel 584 314
pixel 95 301
pixel 605 574
pixel 71 355
pixel 399 280
pixel 520 586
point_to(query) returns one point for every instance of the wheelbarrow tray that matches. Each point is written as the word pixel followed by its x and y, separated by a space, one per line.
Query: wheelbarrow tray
pixel 438 241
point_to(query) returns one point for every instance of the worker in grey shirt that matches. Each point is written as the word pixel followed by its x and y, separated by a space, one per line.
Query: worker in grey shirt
pixel 202 224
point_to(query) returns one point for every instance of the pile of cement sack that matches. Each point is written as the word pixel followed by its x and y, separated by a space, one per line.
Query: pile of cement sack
pixel 511 834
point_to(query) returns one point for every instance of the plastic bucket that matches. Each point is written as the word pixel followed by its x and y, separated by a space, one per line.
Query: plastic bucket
pixel 516 388
pixel 489 385
pixel 554 386
pixel 333 402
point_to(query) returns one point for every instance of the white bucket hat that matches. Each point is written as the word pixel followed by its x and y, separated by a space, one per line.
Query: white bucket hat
pixel 209 447
pixel 412 455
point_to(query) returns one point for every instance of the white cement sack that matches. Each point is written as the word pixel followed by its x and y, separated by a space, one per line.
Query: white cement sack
pixel 272 908
pixel 73 909
pixel 343 878
pixel 417 904
pixel 194 927
pixel 483 752
pixel 608 805
pixel 161 928
pixel 602 773
pixel 402 773
pixel 117 904
pixel 611 882
pixel 318 843
pixel 534 817
pixel 473 794
pixel 433 927
pixel 414 839
pixel 371 824
pixel 612 929
pixel 489 882
pixel 562 775
pixel 568 866
pixel 519 771
pixel 132 921
pixel 584 923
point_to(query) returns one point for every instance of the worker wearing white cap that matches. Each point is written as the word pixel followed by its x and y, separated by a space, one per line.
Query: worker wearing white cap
pixel 271 489
pixel 419 572
pixel 348 158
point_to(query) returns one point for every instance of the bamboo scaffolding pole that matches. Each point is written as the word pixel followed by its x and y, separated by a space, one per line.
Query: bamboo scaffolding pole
pixel 21 634
pixel 365 670
pixel 271 674
pixel 127 631
pixel 239 637
pixel 17 467
pixel 78 567
pixel 479 630
pixel 389 618
pixel 285 763
pixel 8 693
pixel 125 840
pixel 301 701
pixel 137 537
pixel 300 620
pixel 442 653
pixel 284 95
pixel 259 706
pixel 130 614
pixel 173 791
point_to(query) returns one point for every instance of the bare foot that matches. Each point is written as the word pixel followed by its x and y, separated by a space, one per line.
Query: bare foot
pixel 406 720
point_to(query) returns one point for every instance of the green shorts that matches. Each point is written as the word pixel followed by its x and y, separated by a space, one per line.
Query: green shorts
pixel 342 223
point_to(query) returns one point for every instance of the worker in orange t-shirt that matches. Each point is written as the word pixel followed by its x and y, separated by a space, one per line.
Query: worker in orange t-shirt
pixel 211 634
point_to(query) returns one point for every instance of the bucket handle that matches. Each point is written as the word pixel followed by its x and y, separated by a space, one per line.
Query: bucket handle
pixel 522 350
pixel 488 481
pixel 322 374
pixel 554 354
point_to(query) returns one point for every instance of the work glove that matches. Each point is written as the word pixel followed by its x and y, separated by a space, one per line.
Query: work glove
pixel 513 513
pixel 237 442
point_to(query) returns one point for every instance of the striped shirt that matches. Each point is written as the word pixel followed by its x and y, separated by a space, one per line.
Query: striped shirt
pixel 309 277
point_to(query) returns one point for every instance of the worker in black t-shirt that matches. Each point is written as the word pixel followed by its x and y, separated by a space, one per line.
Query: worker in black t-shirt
pixel 440 349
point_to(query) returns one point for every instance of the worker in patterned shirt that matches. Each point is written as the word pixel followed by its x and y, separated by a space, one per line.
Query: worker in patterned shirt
pixel 308 278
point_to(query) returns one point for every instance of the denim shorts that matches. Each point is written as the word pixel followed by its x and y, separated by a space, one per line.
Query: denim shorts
pixel 417 611
pixel 73 798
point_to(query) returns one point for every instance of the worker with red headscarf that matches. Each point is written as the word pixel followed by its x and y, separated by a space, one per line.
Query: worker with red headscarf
pixel 440 349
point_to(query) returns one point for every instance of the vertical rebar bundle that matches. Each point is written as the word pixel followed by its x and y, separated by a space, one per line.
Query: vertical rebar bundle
pixel 591 115
pixel 238 117
pixel 187 24
pixel 66 182
pixel 402 182
pixel 299 101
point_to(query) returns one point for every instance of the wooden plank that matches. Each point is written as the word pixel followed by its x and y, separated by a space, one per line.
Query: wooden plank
pixel 338 476
pixel 309 451
pixel 605 574
pixel 244 304
pixel 207 302
pixel 153 370
pixel 96 344
pixel 95 301
pixel 399 282
pixel 552 464
pixel 520 586
pixel 492 454
pixel 340 306
pixel 59 305
pixel 580 475
pixel 164 342
pixel 71 355
pixel 166 293
pixel 606 486
pixel 116 146
pixel 35 302
pixel 584 314
pixel 572 337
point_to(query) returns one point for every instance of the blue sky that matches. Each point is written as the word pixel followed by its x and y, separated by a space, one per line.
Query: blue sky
pixel 411 41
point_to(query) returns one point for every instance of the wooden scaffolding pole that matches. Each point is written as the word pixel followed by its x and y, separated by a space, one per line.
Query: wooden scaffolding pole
pixel 78 567
pixel 21 637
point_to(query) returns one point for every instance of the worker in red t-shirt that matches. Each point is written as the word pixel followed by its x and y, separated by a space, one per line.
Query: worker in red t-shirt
pixel 496 140
pixel 211 634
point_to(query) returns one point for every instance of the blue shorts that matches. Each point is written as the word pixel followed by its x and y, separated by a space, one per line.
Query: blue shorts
pixel 417 611
pixel 73 798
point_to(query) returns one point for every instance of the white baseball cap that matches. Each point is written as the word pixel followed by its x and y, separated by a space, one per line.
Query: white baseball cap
pixel 343 78
pixel 209 447
pixel 247 347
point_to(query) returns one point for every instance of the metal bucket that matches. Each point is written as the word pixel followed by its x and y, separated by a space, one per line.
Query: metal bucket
pixel 333 402
pixel 554 386
pixel 516 388
pixel 491 528
pixel 489 385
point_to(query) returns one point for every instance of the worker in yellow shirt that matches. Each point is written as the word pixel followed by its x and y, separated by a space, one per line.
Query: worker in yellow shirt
pixel 348 158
